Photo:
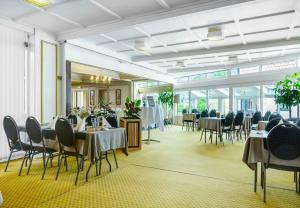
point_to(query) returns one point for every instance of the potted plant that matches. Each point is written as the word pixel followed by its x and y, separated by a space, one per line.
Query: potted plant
pixel 287 92
pixel 132 123
pixel 166 98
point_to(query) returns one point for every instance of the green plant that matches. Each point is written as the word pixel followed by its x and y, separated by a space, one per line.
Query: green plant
pixel 166 97
pixel 201 104
pixel 287 91
pixel 132 108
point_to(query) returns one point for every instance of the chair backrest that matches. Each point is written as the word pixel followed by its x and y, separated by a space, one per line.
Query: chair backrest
pixel 256 117
pixel 88 120
pixel 112 120
pixel 11 130
pixel 267 115
pixel 298 123
pixel 73 117
pixel 204 114
pixel 274 115
pixel 213 113
pixel 239 118
pixel 64 132
pixel 283 141
pixel 229 119
pixel 198 115
pixel 184 111
pixel 194 110
pixel 34 130
pixel 271 124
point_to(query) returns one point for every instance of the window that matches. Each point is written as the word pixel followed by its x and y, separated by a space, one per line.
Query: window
pixel 183 102
pixel 246 99
pixel 268 98
pixel 280 65
pixel 217 74
pixel 245 70
pixel 219 99
pixel 182 79
pixel 198 77
pixel 198 100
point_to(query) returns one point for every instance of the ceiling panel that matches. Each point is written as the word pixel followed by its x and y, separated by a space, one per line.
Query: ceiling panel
pixel 163 26
pixel 159 50
pixel 12 8
pixel 268 23
pixel 130 7
pixel 174 3
pixel 96 39
pixel 115 47
pixel 190 46
pixel 82 12
pixel 226 42
pixel 46 22
pixel 125 33
pixel 266 36
pixel 174 38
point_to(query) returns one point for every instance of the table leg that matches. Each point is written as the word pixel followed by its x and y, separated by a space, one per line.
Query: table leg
pixel 255 177
pixel 149 137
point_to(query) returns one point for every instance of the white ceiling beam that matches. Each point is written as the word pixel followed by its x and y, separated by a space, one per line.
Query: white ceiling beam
pixel 163 4
pixel 237 65
pixel 124 44
pixel 156 40
pixel 233 48
pixel 238 27
pixel 295 18
pixel 188 8
pixel 103 8
pixel 192 33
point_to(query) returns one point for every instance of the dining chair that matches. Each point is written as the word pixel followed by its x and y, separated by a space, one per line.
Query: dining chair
pixel 283 146
pixel 256 118
pixel 298 123
pixel 213 113
pixel 67 143
pixel 272 123
pixel 112 120
pixel 14 141
pixel 228 126
pixel 204 114
pixel 238 125
pixel 74 118
pixel 267 115
pixel 88 120
pixel 274 115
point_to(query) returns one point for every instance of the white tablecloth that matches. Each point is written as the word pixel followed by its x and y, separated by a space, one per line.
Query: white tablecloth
pixel 151 116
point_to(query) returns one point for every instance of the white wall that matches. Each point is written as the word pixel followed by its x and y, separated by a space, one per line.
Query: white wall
pixel 125 91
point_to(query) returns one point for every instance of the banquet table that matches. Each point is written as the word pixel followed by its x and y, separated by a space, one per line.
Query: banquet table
pixel 211 124
pixel 255 152
pixel 152 116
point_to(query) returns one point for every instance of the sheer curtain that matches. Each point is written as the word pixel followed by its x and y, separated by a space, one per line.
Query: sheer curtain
pixel 12 80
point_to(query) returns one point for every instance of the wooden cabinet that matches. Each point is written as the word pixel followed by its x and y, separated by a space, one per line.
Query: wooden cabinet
pixel 134 132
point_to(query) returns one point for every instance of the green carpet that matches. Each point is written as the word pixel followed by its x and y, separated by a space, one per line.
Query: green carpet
pixel 180 171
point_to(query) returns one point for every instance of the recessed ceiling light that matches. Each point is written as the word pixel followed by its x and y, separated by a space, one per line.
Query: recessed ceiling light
pixel 215 34
pixel 39 3
pixel 142 45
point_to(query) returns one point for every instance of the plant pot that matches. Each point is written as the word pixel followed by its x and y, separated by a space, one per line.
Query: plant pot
pixel 133 129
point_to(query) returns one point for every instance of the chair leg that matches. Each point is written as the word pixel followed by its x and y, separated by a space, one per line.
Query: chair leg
pixel 66 163
pixel 8 161
pixel 115 159
pixel 100 164
pixel 201 135
pixel 25 157
pixel 108 161
pixel 45 167
pixel 59 165
pixel 265 182
pixel 87 173
pixel 30 162
pixel 78 170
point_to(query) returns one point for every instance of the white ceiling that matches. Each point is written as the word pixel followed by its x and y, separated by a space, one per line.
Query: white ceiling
pixel 246 27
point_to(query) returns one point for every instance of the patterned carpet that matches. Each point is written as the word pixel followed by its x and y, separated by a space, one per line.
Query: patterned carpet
pixel 180 171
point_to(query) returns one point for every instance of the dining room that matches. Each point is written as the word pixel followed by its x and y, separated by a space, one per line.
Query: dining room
pixel 150 103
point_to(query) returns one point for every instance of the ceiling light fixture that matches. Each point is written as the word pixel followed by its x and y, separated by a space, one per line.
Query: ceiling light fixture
pixel 180 64
pixel 142 45
pixel 40 3
pixel 215 34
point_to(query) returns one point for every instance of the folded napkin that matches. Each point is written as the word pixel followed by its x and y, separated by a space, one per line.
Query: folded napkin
pixel 52 125
pixel 80 125
pixel 105 123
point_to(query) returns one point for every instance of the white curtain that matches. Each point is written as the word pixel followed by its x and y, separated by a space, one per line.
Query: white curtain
pixel 12 80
